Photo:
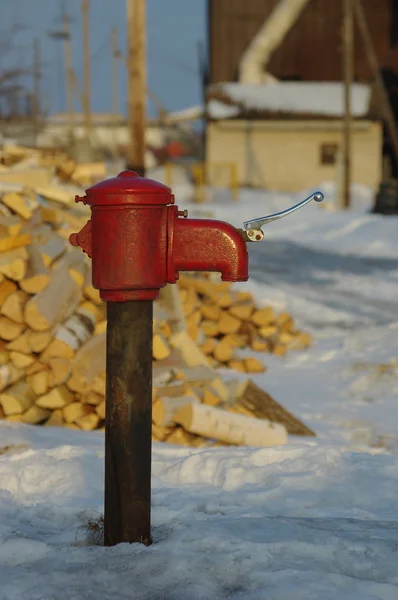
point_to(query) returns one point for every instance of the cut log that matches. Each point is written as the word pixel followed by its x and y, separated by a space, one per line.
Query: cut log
pixel 165 408
pixel 236 340
pixel 285 322
pixel 259 345
pixel 29 177
pixel 208 396
pixel 190 302
pixel 56 194
pixel 269 332
pixel 88 363
pixel 181 438
pixel 99 385
pixel 58 397
pixel 74 411
pixel 14 305
pixel 52 249
pixel 13 264
pixel 210 312
pixel 21 361
pixel 160 434
pixel 300 341
pixel 224 426
pixel 100 410
pixel 171 391
pixel 60 369
pixel 10 242
pixel 6 288
pixel 252 365
pixel 10 226
pixel 4 353
pixel 78 271
pixel 285 338
pixel 88 422
pixel 262 405
pixel 9 375
pixel 210 328
pixel 194 332
pixel 36 367
pixel 208 346
pixel 161 349
pixel 20 204
pixel 92 398
pixel 224 300
pixel 92 294
pixel 36 277
pixel 190 351
pixel 194 319
pixel 263 317
pixel 17 399
pixel 39 340
pixel 237 365
pixel 85 173
pixel 20 344
pixel 242 312
pixel 56 419
pixel 279 349
pixel 39 382
pixel 228 324
pixel 35 415
pixel 55 303
pixel 217 386
pixel 100 327
pixel 70 336
pixel 223 352
pixel 9 330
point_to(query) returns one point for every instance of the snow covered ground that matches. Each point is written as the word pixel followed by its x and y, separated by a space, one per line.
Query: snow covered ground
pixel 313 520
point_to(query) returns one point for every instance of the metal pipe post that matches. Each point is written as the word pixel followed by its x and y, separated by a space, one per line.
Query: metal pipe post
pixel 128 425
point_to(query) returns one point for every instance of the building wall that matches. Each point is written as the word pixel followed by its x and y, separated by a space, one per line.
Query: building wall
pixel 310 51
pixel 288 155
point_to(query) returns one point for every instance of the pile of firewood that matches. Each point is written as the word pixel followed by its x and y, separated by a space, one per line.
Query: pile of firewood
pixel 53 327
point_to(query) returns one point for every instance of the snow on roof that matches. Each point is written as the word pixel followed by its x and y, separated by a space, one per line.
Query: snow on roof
pixel 219 110
pixel 323 99
pixel 186 114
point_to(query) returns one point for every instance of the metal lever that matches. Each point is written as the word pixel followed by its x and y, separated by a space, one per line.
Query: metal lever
pixel 253 227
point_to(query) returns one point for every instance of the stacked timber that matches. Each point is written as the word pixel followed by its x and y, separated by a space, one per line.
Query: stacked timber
pixel 53 326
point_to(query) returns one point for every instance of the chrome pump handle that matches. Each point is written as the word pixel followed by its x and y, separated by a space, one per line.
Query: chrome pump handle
pixel 253 227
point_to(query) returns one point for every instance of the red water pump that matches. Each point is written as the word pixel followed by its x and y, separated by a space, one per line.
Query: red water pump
pixel 139 242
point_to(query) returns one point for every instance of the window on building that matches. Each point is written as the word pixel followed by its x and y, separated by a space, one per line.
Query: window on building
pixel 329 154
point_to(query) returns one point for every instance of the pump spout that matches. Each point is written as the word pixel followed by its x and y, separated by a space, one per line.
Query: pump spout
pixel 207 245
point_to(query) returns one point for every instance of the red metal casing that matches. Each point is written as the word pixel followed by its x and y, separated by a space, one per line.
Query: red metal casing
pixel 139 241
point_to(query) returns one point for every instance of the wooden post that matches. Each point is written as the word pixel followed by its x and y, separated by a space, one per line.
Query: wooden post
pixel 36 87
pixel 128 423
pixel 136 73
pixel 204 76
pixel 348 62
pixel 115 71
pixel 86 67
pixel 374 65
pixel 70 97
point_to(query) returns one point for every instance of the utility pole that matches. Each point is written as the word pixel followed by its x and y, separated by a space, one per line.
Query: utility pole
pixel 36 87
pixel 348 69
pixel 388 113
pixel 70 97
pixel 115 71
pixel 136 73
pixel 86 67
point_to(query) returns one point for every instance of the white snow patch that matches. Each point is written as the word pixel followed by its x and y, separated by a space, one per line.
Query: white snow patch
pixel 315 519
pixel 298 97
